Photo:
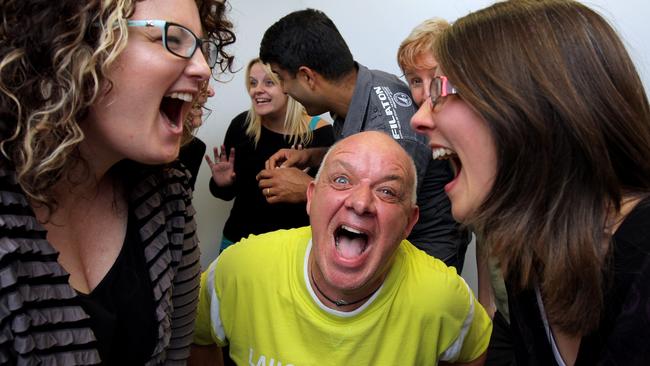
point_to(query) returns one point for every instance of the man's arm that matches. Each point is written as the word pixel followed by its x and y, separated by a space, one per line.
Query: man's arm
pixel 205 355
pixel 208 330
pixel 471 343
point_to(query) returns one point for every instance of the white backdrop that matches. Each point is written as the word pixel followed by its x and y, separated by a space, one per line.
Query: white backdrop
pixel 373 30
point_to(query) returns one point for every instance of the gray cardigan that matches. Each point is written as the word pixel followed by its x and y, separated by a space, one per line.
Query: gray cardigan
pixel 40 321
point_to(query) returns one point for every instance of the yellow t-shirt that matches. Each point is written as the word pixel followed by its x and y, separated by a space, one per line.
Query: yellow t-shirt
pixel 256 298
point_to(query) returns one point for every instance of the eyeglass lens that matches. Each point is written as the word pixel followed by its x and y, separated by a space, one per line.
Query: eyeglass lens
pixel 210 51
pixel 436 89
pixel 182 42
pixel 440 87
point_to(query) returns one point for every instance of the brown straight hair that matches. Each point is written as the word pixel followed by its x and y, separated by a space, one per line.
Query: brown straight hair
pixel 571 125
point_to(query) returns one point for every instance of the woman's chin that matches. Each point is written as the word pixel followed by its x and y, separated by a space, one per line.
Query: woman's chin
pixel 459 212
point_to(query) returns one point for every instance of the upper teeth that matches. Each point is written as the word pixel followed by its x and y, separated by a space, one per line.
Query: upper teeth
pixel 441 153
pixel 354 231
pixel 187 97
pixel 260 100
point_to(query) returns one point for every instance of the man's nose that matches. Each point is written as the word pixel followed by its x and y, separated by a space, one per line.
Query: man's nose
pixel 361 200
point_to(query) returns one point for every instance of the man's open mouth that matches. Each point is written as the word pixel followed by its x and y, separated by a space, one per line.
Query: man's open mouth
pixel 350 242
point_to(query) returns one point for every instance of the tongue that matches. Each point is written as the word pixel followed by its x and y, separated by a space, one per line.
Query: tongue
pixel 350 248
pixel 169 121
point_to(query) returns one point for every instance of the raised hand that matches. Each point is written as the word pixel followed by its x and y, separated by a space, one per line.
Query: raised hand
pixel 223 167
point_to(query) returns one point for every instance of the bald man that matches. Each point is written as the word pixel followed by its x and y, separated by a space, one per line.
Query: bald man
pixel 349 289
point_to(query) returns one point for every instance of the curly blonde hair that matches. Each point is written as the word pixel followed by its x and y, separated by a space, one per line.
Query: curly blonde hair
pixel 54 59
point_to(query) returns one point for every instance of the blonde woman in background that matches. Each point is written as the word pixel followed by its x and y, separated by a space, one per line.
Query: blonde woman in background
pixel 274 121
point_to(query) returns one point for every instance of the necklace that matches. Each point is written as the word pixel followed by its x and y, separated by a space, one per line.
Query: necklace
pixel 340 302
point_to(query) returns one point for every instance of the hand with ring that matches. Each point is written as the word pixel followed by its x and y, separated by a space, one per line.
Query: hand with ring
pixel 289 185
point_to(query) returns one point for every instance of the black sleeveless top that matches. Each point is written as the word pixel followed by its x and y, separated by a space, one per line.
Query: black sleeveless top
pixel 121 307
pixel 622 337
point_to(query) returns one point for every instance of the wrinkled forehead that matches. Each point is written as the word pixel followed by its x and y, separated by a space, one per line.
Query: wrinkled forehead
pixel 372 154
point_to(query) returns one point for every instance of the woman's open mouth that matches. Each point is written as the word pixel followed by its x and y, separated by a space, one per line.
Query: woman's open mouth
pixel 442 153
pixel 171 107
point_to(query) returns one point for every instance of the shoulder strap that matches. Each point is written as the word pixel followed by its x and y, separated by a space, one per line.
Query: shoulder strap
pixel 313 122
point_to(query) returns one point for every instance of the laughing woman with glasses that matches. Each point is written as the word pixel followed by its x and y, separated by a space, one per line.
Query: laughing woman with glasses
pixel 550 139
pixel 99 260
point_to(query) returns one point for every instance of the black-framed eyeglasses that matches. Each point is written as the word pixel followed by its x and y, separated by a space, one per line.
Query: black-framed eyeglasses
pixel 441 87
pixel 181 41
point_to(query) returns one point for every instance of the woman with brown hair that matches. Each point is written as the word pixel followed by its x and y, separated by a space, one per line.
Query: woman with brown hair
pixel 99 261
pixel 541 112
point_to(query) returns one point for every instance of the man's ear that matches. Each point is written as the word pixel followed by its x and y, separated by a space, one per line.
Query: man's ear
pixel 308 76
pixel 310 192
pixel 413 217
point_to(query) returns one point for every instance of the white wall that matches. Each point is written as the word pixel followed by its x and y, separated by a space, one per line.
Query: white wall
pixel 373 29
